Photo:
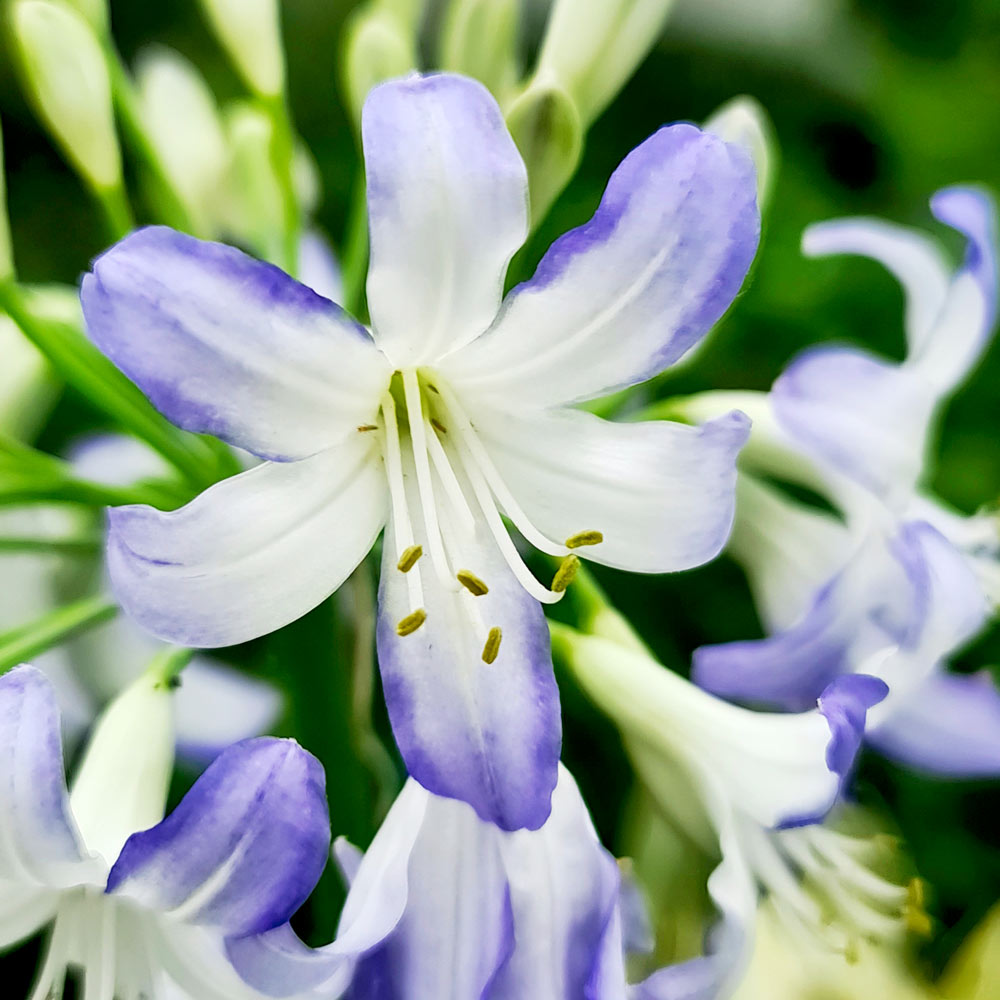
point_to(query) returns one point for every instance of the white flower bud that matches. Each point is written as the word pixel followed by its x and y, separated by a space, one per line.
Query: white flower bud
pixel 65 73
pixel 121 785
pixel 744 122
pixel 480 39
pixel 250 32
pixel 183 123
pixel 378 46
pixel 95 11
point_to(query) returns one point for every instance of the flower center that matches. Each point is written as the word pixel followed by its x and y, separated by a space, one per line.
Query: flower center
pixel 427 437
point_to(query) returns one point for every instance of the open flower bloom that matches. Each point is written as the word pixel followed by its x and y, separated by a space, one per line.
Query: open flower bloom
pixel 450 410
pixel 746 785
pixel 899 571
pixel 445 905
pixel 138 911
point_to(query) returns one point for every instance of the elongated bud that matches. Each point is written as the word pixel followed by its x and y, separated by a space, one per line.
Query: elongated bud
pixel 547 129
pixel 6 250
pixel 379 45
pixel 183 123
pixel 479 39
pixel 250 32
pixel 744 122
pixel 121 785
pixel 95 11
pixel 593 46
pixel 65 74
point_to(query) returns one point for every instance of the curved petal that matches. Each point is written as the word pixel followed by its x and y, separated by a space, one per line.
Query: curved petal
pixel 456 931
pixel 660 493
pixel 865 417
pixel 205 575
pixel 628 293
pixel 39 842
pixel 564 892
pixel 243 849
pixel 447 209
pixel 228 345
pixel 948 725
pixel 24 910
pixel 487 733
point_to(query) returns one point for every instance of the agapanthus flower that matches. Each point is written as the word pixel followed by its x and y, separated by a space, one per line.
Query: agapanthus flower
pixel 749 786
pixel 138 902
pixel 900 571
pixel 452 411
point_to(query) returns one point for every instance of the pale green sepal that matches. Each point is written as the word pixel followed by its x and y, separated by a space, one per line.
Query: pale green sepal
pixel 547 129
pixel 744 122
pixel 64 71
pixel 250 32
pixel 122 783
pixel 479 39
pixel 378 46
pixel 95 11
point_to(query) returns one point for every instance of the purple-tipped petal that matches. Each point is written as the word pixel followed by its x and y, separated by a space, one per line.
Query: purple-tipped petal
pixel 447 209
pixel 39 842
pixel 628 293
pixel 205 575
pixel 949 725
pixel 243 849
pixel 231 346
pixel 660 493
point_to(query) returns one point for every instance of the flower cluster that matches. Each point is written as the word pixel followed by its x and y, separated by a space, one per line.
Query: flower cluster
pixel 279 431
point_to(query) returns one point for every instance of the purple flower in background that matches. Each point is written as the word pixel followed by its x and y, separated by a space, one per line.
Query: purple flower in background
pixel 453 411
pixel 137 912
pixel 900 572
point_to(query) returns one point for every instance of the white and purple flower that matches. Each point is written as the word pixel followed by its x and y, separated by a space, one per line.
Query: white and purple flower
pixel 136 904
pixel 898 572
pixel 452 409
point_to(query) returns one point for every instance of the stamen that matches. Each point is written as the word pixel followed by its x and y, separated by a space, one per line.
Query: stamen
pixel 492 647
pixel 52 975
pixel 438 426
pixel 409 558
pixel 914 915
pixel 582 538
pixel 472 583
pixel 449 481
pixel 413 621
pixel 368 427
pixel 566 573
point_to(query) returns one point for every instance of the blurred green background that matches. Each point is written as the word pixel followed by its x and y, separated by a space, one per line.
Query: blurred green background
pixel 875 105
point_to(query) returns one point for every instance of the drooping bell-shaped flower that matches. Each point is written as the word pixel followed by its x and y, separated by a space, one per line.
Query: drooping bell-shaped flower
pixel 452 412
pixel 135 904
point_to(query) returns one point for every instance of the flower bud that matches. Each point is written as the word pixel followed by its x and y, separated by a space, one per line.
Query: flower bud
pixel 64 72
pixel 95 11
pixel 479 39
pixel 250 32
pixel 184 126
pixel 121 785
pixel 744 122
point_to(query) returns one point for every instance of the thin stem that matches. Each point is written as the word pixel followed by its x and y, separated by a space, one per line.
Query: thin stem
pixel 167 665
pixel 59 546
pixel 354 252
pixel 283 161
pixel 117 211
pixel 53 628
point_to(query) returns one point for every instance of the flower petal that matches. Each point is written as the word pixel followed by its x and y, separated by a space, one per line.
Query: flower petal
pixel 948 725
pixel 660 493
pixel 39 842
pixel 564 891
pixel 243 849
pixel 447 209
pixel 487 733
pixel 24 910
pixel 204 575
pixel 628 293
pixel 228 345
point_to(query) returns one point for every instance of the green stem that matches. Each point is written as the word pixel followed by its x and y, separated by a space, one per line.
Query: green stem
pixel 283 161
pixel 62 546
pixel 118 216
pixel 354 252
pixel 167 665
pixel 53 628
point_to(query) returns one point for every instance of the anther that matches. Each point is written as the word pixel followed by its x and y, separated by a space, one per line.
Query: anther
pixel 368 427
pixel 492 647
pixel 438 426
pixel 914 915
pixel 409 558
pixel 582 538
pixel 434 389
pixel 472 583
pixel 413 621
pixel 565 574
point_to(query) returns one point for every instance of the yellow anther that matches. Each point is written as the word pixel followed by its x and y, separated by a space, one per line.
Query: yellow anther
pixel 413 621
pixel 438 426
pixel 492 647
pixel 565 573
pixel 409 558
pixel 368 427
pixel 472 583
pixel 434 389
pixel 582 538
pixel 914 915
